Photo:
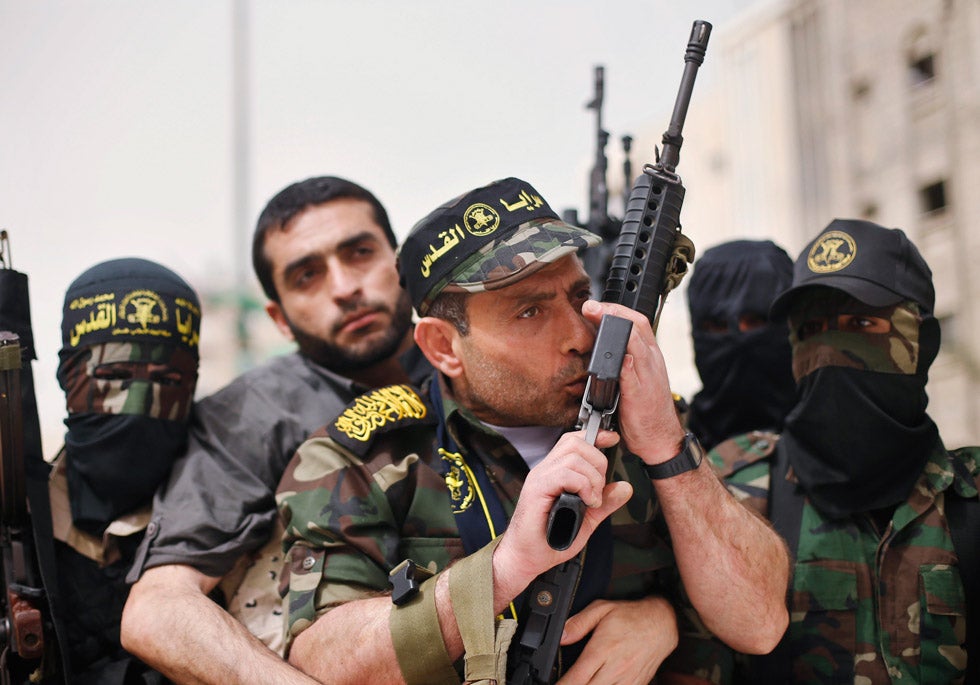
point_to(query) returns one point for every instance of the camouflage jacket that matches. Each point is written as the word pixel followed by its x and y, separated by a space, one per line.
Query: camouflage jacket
pixel 870 606
pixel 366 493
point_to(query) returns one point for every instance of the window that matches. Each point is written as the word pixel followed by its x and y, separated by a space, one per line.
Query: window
pixel 922 69
pixel 932 197
pixel 869 211
pixel 920 56
pixel 860 89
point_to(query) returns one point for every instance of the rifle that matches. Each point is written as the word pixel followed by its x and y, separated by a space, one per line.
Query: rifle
pixel 596 260
pixel 627 167
pixel 27 625
pixel 650 259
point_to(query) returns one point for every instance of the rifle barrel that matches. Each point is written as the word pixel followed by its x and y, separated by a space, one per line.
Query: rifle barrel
pixel 693 58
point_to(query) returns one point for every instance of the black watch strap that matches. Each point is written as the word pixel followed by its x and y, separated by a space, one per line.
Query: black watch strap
pixel 688 459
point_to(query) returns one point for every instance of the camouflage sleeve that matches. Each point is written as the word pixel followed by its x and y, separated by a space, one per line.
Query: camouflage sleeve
pixel 743 463
pixel 699 658
pixel 338 532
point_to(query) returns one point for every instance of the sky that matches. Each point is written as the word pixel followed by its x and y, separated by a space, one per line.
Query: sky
pixel 118 119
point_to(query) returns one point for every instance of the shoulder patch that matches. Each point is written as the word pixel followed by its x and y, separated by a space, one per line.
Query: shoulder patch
pixel 377 412
pixel 736 453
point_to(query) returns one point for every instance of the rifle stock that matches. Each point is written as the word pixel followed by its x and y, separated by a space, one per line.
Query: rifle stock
pixel 650 259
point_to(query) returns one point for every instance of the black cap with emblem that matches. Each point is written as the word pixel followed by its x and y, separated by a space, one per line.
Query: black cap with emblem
pixel 485 239
pixel 876 265
pixel 130 300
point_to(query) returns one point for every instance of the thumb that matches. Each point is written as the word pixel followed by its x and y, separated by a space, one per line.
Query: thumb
pixel 614 495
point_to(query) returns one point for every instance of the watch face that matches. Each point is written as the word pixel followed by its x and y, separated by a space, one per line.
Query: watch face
pixel 695 449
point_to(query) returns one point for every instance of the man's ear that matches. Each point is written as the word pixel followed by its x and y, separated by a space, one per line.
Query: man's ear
pixel 274 310
pixel 436 338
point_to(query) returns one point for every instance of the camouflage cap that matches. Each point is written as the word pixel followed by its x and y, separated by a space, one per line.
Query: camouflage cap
pixel 130 300
pixel 485 239
pixel 876 265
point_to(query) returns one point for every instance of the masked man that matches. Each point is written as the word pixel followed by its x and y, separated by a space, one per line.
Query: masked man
pixel 743 358
pixel 871 501
pixel 129 361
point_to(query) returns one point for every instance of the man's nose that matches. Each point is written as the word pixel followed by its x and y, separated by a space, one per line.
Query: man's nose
pixel 580 334
pixel 343 282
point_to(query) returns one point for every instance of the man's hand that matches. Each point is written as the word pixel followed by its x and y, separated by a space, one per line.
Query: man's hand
pixel 629 641
pixel 647 418
pixel 735 568
pixel 572 466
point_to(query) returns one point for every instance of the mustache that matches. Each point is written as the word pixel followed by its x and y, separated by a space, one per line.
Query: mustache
pixel 352 309
pixel 574 371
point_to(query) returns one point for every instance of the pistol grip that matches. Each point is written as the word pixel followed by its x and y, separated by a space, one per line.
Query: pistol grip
pixel 564 520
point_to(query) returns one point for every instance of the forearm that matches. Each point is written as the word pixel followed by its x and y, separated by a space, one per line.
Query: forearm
pixel 354 642
pixel 175 628
pixel 349 644
pixel 735 568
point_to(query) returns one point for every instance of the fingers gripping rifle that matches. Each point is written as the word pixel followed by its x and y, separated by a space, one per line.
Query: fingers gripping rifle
pixel 650 259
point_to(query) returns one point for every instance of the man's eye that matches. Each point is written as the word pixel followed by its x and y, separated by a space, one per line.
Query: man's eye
pixel 864 324
pixel 112 373
pixel 364 251
pixel 811 328
pixel 712 325
pixel 751 322
pixel 359 252
pixel 304 276
pixel 169 377
pixel 529 313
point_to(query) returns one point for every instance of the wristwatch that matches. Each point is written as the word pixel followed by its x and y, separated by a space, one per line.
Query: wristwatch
pixel 688 459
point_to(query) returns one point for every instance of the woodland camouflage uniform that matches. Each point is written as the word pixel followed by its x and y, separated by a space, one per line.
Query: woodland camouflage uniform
pixel 877 594
pixel 372 500
pixel 912 628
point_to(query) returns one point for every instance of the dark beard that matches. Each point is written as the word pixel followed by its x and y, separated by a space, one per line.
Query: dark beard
pixel 344 360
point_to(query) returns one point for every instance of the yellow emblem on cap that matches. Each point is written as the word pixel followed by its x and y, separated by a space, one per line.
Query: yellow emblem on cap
pixel 832 251
pixel 143 309
pixel 481 219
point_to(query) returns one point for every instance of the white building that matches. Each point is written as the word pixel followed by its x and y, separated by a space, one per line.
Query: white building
pixel 819 109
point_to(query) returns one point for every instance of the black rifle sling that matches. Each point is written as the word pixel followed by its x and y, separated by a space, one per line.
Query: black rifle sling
pixel 963 517
pixel 786 514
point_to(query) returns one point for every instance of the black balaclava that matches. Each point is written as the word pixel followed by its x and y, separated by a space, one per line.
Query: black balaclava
pixel 746 377
pixel 859 436
pixel 128 366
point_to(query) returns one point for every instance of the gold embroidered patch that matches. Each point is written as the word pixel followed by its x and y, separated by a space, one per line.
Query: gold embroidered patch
pixel 458 480
pixel 377 408
pixel 832 251
pixel 481 219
